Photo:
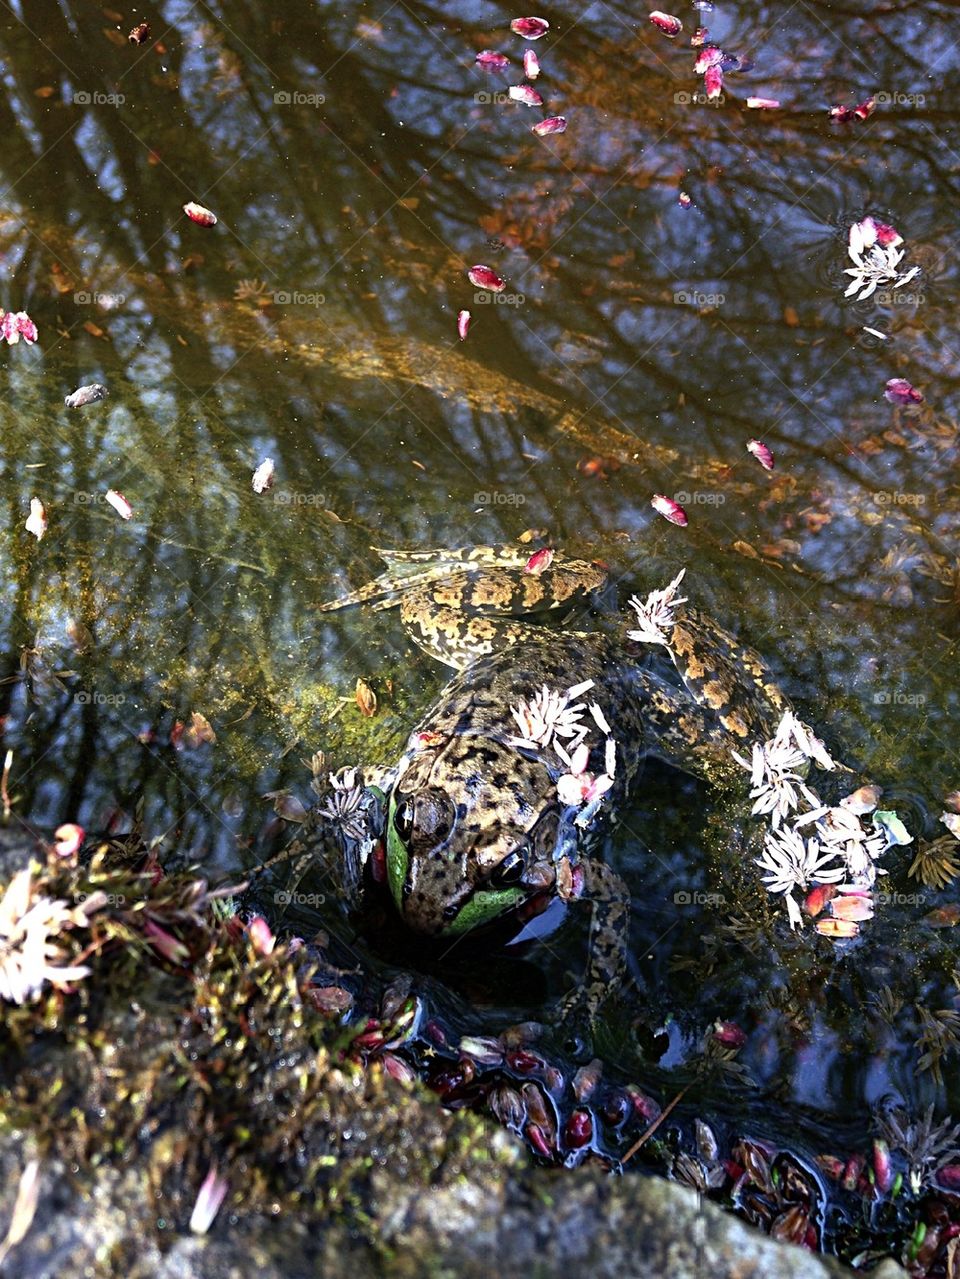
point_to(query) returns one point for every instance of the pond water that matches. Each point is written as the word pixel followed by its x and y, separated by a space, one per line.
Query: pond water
pixel 359 163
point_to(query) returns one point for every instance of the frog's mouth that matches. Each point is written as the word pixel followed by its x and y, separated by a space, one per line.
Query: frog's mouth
pixel 483 906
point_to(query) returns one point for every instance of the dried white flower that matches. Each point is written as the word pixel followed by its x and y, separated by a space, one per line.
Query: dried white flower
pixel 789 861
pixel 548 715
pixel 873 264
pixel 343 807
pixel 656 614
pixel 29 926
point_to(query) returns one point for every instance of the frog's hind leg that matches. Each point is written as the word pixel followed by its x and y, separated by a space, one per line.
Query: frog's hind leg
pixel 420 568
pixel 469 614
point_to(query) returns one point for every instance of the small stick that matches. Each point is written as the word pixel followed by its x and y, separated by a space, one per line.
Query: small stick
pixel 645 1136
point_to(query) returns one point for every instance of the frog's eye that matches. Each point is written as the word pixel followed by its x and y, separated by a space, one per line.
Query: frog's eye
pixel 403 819
pixel 509 871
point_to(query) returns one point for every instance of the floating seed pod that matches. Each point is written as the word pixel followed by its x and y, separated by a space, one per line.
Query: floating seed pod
pixel 578 1130
pixel 263 476
pixel 36 521
pixel 759 450
pixel 526 94
pixel 539 561
pixel 669 509
pixel 484 277
pixel 119 504
pixel 85 395
pixel 197 213
pixel 492 60
pixel 530 28
pixel 140 33
pixel 554 124
pixel 667 23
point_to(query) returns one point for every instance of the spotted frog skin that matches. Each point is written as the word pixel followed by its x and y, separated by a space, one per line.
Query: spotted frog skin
pixel 475 827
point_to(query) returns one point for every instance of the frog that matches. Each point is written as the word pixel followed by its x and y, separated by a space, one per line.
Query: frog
pixel 489 816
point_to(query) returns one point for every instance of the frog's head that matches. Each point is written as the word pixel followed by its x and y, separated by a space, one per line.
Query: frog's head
pixel 472 832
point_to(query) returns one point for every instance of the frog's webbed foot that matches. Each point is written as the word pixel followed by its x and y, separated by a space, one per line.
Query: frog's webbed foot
pixel 610 901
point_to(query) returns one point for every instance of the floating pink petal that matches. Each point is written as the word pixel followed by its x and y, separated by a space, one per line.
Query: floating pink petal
pixel 68 839
pixel 760 451
pixel 119 504
pixel 571 789
pixel 484 277
pixel 900 391
pixel 865 109
pixel 580 759
pixel 197 213
pixel 763 104
pixel 463 324
pixel 709 57
pixel 842 114
pixel 887 236
pixel 261 937
pixel 553 124
pixel 525 94
pixel 531 64
pixel 699 38
pixel 530 28
pixel 14 326
pixel 37 519
pixel 208 1201
pixel 684 200
pixel 538 561
pixel 669 509
pixel 852 907
pixel 599 786
pixel 839 928
pixel 667 23
pixel 492 60
pixel 882 1166
pixel 729 1034
pixel 713 82
pixel 263 476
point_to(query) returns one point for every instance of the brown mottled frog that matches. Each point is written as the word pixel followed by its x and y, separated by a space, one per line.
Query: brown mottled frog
pixel 490 808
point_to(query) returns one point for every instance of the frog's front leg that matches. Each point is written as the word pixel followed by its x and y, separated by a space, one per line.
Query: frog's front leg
pixel 609 899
